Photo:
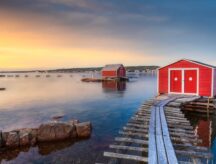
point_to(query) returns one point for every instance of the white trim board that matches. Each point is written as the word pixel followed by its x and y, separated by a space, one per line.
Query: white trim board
pixel 158 80
pixel 213 81
pixel 183 84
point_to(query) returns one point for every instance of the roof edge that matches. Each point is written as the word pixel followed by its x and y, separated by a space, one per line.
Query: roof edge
pixel 188 60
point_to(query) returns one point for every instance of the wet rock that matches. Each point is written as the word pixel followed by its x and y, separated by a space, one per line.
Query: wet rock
pixel 4 137
pixel 24 136
pixel 12 139
pixel 83 129
pixel 33 136
pixel 74 132
pixel 63 131
pixel 1 139
pixel 73 122
pixel 24 139
pixel 54 131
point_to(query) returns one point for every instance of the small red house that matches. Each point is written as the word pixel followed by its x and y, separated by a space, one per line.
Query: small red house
pixel 187 77
pixel 113 71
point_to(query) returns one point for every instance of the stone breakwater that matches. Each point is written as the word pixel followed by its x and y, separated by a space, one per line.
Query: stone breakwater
pixel 54 131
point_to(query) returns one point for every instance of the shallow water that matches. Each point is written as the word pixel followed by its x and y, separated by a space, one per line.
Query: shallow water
pixel 30 101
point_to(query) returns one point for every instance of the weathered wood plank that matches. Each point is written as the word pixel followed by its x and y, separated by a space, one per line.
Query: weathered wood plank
pixel 131 140
pixel 157 125
pixel 135 129
pixel 180 126
pixel 132 148
pixel 179 130
pixel 161 152
pixel 190 147
pixel 152 153
pixel 140 119
pixel 125 156
pixel 139 122
pixel 134 134
pixel 194 154
pixel 137 125
pixel 171 156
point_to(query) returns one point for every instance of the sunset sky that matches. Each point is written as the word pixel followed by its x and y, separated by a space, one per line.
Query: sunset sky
pixel 80 33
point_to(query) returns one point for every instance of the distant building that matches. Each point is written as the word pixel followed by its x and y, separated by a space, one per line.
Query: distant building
pixel 187 77
pixel 113 71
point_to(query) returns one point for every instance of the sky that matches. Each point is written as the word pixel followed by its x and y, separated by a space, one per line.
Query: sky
pixel 44 34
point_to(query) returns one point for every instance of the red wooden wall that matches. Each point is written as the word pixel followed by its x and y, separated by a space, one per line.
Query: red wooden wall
pixel 121 72
pixel 205 77
pixel 109 73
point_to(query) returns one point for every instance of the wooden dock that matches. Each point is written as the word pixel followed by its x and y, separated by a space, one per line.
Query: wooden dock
pixel 159 133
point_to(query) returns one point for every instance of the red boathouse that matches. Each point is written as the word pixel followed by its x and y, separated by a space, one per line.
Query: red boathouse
pixel 113 71
pixel 187 77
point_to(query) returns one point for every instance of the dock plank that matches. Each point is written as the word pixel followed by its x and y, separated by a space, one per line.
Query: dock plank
pixel 125 156
pixel 158 130
pixel 171 156
pixel 161 152
pixel 152 153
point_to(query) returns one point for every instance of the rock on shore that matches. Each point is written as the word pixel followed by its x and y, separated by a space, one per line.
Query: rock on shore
pixel 54 131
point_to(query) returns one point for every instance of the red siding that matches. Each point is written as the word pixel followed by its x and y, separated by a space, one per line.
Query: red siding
pixel 205 77
pixel 109 73
pixel 121 72
pixel 163 80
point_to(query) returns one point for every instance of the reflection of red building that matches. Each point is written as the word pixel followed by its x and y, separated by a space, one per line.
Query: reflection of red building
pixel 113 70
pixel 114 85
pixel 204 132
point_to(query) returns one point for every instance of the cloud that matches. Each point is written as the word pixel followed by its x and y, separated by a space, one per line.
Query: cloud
pixel 115 26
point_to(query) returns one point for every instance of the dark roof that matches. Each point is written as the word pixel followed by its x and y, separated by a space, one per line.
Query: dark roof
pixel 193 61
pixel 110 67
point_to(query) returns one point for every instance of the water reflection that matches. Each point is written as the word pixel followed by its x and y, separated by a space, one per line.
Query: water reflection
pixel 28 102
pixel 205 127
pixel 109 86
pixel 42 148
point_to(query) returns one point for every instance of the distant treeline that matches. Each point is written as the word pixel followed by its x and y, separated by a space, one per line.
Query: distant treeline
pixel 129 68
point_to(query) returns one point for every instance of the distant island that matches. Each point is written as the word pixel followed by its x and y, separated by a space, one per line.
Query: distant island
pixel 70 70
pixel 128 68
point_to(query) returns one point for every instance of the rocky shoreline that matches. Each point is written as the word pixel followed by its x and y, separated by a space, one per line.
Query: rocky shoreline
pixel 53 131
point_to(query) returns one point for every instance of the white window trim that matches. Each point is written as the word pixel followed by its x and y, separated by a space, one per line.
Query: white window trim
pixel 183 84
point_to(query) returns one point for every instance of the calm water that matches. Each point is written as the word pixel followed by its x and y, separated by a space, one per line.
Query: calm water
pixel 28 102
